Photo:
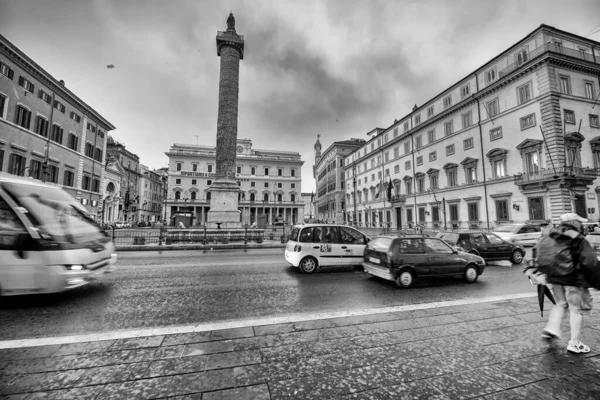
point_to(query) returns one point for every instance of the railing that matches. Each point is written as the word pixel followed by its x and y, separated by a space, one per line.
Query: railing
pixel 547 174
pixel 547 47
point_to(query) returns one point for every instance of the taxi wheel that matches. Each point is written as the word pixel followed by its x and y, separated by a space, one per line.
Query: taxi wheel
pixel 405 278
pixel 308 265
pixel 517 257
pixel 471 274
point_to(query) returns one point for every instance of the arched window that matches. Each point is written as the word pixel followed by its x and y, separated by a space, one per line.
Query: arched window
pixel 293 197
pixel 177 195
pixel 265 197
pixel 193 196
pixel 252 197
pixel 110 187
pixel 279 197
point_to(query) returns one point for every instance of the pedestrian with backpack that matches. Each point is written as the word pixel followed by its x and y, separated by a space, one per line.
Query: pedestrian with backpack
pixel 563 254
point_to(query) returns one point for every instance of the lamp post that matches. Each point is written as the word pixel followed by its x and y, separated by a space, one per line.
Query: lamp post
pixel 354 193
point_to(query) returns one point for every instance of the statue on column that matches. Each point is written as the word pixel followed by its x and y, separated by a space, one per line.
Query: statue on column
pixel 231 22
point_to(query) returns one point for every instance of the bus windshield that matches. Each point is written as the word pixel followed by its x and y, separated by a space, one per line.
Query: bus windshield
pixel 55 213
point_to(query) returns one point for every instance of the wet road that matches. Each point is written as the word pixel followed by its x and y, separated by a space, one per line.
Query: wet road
pixel 150 289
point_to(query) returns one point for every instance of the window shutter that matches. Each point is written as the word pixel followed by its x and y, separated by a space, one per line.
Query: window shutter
pixel 40 93
pixel 11 73
pixel 21 81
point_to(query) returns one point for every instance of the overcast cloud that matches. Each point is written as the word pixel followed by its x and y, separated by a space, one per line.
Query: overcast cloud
pixel 338 68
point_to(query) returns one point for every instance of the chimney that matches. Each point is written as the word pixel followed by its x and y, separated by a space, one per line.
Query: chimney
pixel 62 82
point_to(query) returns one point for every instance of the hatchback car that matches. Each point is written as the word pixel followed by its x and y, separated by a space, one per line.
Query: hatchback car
pixel 484 244
pixel 402 259
pixel 523 234
pixel 319 245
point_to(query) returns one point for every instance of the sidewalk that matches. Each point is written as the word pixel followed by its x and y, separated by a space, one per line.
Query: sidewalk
pixel 199 246
pixel 483 350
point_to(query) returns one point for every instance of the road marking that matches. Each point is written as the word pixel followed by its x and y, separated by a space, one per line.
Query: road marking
pixel 214 326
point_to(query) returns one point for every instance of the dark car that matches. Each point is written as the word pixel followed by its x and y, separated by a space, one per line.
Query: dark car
pixel 406 258
pixel 485 244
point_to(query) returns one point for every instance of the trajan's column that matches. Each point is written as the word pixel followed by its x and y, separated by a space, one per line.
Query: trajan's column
pixel 224 189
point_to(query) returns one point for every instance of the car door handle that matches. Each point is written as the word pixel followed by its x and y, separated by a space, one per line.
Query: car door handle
pixel 316 247
pixel 344 247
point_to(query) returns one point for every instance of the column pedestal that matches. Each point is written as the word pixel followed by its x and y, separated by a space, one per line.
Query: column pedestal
pixel 224 211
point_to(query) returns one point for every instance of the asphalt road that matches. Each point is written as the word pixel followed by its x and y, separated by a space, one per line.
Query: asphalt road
pixel 152 289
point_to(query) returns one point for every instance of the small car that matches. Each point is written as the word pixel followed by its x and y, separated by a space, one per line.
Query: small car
pixel 311 246
pixel 523 234
pixel 402 259
pixel 485 244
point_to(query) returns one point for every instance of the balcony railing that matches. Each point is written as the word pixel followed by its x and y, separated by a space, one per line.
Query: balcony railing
pixel 549 174
pixel 547 47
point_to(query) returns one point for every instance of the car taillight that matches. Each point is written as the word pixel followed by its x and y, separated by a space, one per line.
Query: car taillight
pixel 297 248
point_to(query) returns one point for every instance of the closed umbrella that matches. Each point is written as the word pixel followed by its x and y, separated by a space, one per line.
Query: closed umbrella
pixel 544 290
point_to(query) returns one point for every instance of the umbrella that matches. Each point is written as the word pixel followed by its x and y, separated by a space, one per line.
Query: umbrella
pixel 544 290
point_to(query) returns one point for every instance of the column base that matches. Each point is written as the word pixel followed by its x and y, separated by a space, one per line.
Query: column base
pixel 224 211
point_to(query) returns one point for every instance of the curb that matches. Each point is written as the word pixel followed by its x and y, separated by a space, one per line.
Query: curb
pixel 201 247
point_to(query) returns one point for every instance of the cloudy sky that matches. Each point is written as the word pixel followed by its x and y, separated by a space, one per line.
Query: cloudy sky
pixel 335 68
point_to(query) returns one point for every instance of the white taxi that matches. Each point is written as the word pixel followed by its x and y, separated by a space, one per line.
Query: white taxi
pixel 321 245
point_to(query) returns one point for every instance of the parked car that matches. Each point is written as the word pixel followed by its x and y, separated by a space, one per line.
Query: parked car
pixel 485 244
pixel 120 224
pixel 594 239
pixel 523 234
pixel 311 246
pixel 403 259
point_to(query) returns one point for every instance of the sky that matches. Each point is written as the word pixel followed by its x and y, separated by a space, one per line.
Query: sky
pixel 336 68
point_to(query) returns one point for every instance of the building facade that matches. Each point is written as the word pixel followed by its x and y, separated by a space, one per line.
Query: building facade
pixel 150 196
pixel 269 180
pixel 330 199
pixel 113 176
pixel 518 139
pixel 129 195
pixel 309 207
pixel 49 133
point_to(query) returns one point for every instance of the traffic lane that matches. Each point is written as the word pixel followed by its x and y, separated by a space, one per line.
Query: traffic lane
pixel 173 293
pixel 198 257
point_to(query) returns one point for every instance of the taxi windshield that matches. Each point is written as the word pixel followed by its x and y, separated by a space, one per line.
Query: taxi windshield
pixel 55 213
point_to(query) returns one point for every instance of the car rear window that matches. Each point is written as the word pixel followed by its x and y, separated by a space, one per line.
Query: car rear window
pixel 380 244
pixel 306 235
pixel 294 234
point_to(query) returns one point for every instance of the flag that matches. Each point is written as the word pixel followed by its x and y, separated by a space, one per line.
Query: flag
pixel 312 196
pixel 389 191
pixel 378 189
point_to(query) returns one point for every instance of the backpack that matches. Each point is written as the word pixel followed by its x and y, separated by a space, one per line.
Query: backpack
pixel 554 255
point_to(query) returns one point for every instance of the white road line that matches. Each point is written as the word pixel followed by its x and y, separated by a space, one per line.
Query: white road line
pixel 128 334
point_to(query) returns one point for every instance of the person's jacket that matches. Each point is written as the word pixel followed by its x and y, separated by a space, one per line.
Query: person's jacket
pixel 583 255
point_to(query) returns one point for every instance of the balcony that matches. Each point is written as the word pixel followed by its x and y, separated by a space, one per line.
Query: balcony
pixel 563 173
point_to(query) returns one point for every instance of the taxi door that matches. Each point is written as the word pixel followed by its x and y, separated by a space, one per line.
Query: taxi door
pixel 326 245
pixel 353 245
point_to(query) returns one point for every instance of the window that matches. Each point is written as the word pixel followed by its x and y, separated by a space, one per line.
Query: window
pixel 35 169
pixel 594 123
pixel 453 212
pixel 3 104
pixel 23 117
pixel 57 134
pixel 75 117
pixel 395 131
pixel 293 172
pixel 420 160
pixel 208 183
pixel 527 121
pixel 447 101
pixel 536 208
pixel 421 213
pixel 252 170
pixel 450 150
pixel 433 181
pixel 430 112
pixel 468 143
pixel 386 156
pixel 431 136
pixel 41 126
pixel 449 128
pixel 68 178
pixel 89 150
pixel 279 185
pixel 433 156
pixel 266 171
pixel 6 71
pixel 569 116
pixel 492 108
pixel 209 168
pixel 95 185
pixel 419 142
pixel 397 168
pixel 466 120
pixel 496 133
pixel 559 46
pixel 293 185
pixel 396 152
pixel 524 93
pixel 177 195
pixel 385 140
pixel 490 75
pixel 407 165
pixel 408 186
pixel 409 215
pixel 279 172
pixel 194 181
pixel 238 169
pixel 91 128
pixel 473 211
pixel 98 155
pixel 26 84
pixel 193 196
pixel 252 184
pixel 178 181
pixel 86 182
pixel 2 158
pixel 420 184
pixel 532 162
pixel 44 96
pixel 417 119
pixel 266 184
pixel 499 168
pixel 465 91
pixel 372 177
pixel 178 166
pixel 194 167
pixel 452 177
pixel 565 84
pixel 589 90
pixel 522 57
pixel 406 147
pixel 405 126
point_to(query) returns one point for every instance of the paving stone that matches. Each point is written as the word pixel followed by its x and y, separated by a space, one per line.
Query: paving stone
pixel 191 396
pixel 484 314
pixel 83 348
pixel 42 381
pixel 289 327
pixel 234 333
pixel 307 387
pixel 196 349
pixel 527 392
pixel 139 389
pixel 204 382
pixel 524 370
pixel 560 387
pixel 155 353
pixel 413 390
pixel 28 352
pixel 14 396
pixel 233 359
pixel 137 343
pixel 113 373
pixel 364 378
pixel 366 319
pixel 176 366
pixel 186 338
pixel 464 385
pixel 257 392
pixel 86 393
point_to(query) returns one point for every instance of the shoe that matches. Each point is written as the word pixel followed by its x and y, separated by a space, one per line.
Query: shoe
pixel 549 335
pixel 577 347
